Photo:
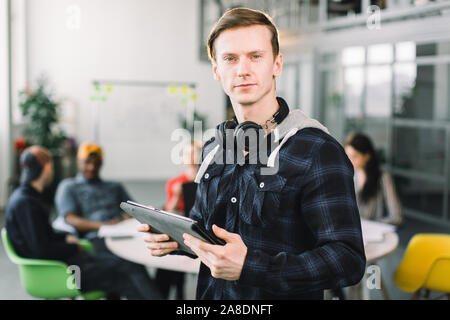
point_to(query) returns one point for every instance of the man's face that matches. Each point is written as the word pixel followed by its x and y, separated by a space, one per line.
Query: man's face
pixel 90 167
pixel 358 159
pixel 245 64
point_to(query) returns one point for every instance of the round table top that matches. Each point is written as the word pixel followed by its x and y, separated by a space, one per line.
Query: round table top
pixel 133 249
pixel 378 250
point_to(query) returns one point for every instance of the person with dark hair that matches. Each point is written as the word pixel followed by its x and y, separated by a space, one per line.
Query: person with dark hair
pixel 30 232
pixel 376 194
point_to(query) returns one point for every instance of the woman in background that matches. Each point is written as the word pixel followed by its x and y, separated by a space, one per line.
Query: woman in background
pixel 174 193
pixel 375 190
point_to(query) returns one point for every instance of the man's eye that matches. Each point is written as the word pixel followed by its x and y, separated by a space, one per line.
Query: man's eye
pixel 229 59
pixel 256 56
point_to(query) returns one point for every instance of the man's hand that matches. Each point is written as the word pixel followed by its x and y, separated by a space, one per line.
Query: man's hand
pixel 157 243
pixel 225 262
pixel 113 221
pixel 72 239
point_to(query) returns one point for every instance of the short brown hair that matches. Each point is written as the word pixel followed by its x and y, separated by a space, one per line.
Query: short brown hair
pixel 42 155
pixel 242 17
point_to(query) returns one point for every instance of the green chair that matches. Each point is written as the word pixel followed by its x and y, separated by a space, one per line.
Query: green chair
pixel 47 279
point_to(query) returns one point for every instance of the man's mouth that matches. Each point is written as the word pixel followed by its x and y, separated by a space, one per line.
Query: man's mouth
pixel 245 85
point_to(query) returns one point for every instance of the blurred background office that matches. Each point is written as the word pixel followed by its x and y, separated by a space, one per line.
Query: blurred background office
pixel 128 74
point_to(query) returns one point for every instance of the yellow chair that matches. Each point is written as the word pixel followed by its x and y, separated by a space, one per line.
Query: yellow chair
pixel 425 265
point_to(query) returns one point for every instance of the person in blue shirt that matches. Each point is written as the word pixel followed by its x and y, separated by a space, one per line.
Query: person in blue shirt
pixel 86 202
pixel 30 232
pixel 287 212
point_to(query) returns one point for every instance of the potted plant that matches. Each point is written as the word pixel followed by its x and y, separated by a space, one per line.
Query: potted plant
pixel 42 114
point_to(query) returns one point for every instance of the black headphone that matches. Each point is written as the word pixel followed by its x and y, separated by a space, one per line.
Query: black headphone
pixel 31 168
pixel 231 129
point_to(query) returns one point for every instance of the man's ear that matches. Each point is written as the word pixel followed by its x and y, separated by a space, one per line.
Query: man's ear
pixel 278 65
pixel 215 73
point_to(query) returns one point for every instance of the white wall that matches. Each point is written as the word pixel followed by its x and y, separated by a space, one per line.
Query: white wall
pixel 4 104
pixel 118 39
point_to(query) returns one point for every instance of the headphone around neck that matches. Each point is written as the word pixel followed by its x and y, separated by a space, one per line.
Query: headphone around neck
pixel 238 132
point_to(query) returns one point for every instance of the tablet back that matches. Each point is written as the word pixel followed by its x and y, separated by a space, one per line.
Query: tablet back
pixel 164 222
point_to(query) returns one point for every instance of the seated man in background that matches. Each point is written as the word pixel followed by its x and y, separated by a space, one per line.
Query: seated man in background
pixel 86 202
pixel 30 232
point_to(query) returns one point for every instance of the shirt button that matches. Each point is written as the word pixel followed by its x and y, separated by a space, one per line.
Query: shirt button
pixel 233 200
pixel 206 175
pixel 261 185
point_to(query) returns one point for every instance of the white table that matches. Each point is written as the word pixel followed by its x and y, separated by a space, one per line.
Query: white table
pixel 380 240
pixel 133 249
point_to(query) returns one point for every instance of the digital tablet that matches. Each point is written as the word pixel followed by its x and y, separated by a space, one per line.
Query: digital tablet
pixel 171 224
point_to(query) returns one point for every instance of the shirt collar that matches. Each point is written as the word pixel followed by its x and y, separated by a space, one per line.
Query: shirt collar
pixel 27 188
pixel 81 178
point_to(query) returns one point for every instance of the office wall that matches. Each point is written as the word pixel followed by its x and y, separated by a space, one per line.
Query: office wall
pixel 4 103
pixel 76 41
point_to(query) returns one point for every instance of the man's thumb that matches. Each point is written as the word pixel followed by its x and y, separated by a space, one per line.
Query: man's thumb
pixel 222 233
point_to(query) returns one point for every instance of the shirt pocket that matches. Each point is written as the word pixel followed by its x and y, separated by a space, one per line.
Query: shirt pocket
pixel 264 201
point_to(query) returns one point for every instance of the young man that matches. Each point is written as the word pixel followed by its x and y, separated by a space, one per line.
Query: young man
pixel 30 232
pixel 290 234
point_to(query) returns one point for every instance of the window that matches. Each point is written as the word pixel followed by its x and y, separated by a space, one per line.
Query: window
pixel 378 99
pixel 288 84
pixel 420 195
pixel 422 91
pixel 399 95
pixel 419 149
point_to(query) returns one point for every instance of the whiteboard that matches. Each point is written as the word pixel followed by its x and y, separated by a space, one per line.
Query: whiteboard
pixel 134 124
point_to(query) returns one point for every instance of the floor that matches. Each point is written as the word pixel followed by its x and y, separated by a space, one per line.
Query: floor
pixel 153 193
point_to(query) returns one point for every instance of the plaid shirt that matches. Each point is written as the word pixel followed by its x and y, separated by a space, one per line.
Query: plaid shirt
pixel 301 226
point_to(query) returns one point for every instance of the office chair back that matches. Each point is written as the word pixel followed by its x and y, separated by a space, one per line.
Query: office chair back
pixel 426 264
pixel 46 279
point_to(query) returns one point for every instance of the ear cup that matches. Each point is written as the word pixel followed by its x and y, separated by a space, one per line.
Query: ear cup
pixel 246 135
pixel 225 132
pixel 242 138
pixel 282 112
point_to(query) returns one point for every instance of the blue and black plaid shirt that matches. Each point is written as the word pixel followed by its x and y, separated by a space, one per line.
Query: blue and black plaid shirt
pixel 301 226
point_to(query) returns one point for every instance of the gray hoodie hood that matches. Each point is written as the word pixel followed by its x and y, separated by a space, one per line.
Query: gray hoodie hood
pixel 295 121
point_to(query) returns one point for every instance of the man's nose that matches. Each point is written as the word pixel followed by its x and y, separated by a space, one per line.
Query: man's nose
pixel 243 67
